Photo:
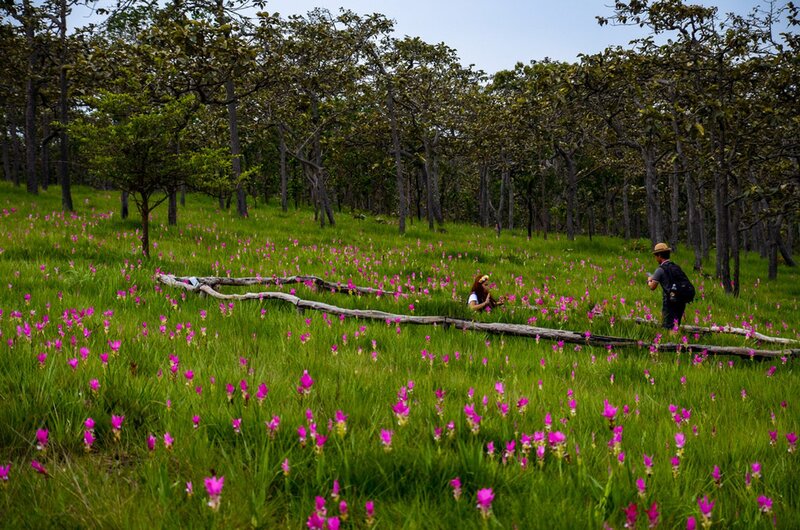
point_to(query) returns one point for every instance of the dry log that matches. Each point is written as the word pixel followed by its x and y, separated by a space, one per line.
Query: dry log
pixel 308 281
pixel 519 330
pixel 748 333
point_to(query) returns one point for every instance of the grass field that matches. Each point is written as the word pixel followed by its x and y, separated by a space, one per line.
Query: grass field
pixel 560 434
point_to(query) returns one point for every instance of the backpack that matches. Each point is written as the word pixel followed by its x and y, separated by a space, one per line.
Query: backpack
pixel 680 288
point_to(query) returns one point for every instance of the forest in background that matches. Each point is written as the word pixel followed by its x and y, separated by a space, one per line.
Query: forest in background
pixel 689 135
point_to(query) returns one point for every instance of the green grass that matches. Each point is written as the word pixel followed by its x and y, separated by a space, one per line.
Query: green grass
pixel 91 260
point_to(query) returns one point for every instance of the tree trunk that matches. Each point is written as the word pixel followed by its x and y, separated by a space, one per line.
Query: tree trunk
pixel 15 148
pixel 6 155
pixel 626 208
pixel 510 202
pixel 432 180
pixel 545 213
pixel 145 211
pixel 429 182
pixel 124 204
pixel 319 173
pixel 30 102
pixel 45 154
pixel 236 150
pixel 483 194
pixel 735 241
pixel 722 221
pixel 172 209
pixel 398 159
pixel 284 173
pixel 784 250
pixel 772 272
pixel 654 221
pixel 572 189
pixel 183 195
pixel 63 114
pixel 674 205
pixel 529 204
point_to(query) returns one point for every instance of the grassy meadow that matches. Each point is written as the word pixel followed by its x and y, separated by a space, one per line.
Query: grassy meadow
pixel 564 436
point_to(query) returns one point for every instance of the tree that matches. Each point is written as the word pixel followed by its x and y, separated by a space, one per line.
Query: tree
pixel 132 143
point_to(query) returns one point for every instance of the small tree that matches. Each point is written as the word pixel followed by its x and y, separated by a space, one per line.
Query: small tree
pixel 133 144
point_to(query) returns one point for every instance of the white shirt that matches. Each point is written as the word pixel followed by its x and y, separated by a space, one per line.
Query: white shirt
pixel 472 298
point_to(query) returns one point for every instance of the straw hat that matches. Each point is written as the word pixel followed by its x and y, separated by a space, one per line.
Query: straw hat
pixel 661 247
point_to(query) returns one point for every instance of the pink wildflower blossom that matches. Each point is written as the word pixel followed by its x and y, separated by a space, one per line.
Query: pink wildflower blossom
pixel 485 497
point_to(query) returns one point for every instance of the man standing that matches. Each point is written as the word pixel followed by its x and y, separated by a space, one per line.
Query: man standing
pixel 675 287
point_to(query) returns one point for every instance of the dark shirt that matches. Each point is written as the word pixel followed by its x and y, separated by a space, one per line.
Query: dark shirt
pixel 661 277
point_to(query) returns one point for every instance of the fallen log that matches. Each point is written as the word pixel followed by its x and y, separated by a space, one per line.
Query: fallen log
pixel 747 333
pixel 337 287
pixel 520 330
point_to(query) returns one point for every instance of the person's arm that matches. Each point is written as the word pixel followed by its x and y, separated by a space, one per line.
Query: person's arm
pixel 473 302
pixel 475 306
pixel 652 281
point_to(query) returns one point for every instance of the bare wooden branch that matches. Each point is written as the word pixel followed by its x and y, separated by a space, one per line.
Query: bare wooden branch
pixel 308 281
pixel 204 285
pixel 748 333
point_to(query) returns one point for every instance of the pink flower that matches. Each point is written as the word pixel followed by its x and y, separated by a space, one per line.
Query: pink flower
pixel 706 506
pixel 315 521
pixel 691 523
pixel 94 385
pixel 630 515
pixel 195 421
pixel 285 467
pixel 648 464
pixel 262 392
pixel 319 443
pixel 756 467
pixel 609 411
pixel 151 442
pixel 214 489
pixel 189 489
pixel 369 507
pixel 386 439
pixel 791 438
pixel 456 485
pixel 341 423
pixel 652 515
pixel 272 425
pixel 335 491
pixel 88 440
pixel 680 440
pixel 485 497
pixel 39 468
pixel 401 411
pixel 641 486
pixel 764 504
pixel 334 523
pixel 306 382
pixel 237 425
pixel 302 433
pixel 41 439
pixel 89 424
pixel 168 440
pixel 116 422
pixel 4 470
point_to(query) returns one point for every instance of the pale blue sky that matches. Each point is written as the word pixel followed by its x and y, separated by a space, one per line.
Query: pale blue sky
pixel 493 34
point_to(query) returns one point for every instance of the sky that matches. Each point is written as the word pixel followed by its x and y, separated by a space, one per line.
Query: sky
pixel 496 34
